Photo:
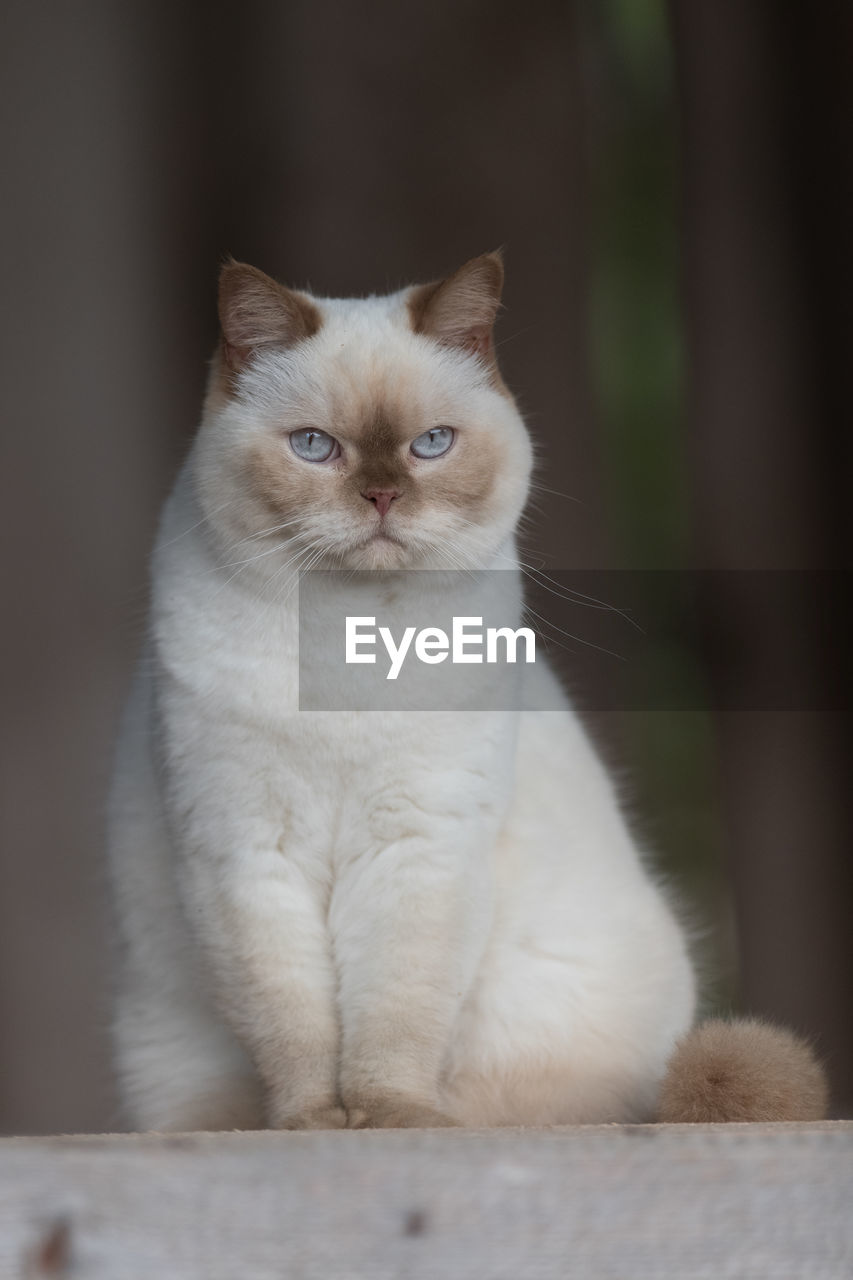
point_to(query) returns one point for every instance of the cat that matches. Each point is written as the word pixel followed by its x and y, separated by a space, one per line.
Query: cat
pixel 379 919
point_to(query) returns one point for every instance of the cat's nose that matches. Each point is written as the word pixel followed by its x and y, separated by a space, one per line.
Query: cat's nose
pixel 381 498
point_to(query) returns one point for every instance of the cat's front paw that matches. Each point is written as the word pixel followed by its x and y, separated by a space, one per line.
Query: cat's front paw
pixel 321 1117
pixel 393 1111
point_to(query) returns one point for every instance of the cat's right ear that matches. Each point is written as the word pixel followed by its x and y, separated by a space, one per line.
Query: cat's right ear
pixel 256 311
pixel 460 311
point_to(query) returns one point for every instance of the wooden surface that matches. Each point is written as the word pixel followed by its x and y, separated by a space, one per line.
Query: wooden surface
pixel 761 1201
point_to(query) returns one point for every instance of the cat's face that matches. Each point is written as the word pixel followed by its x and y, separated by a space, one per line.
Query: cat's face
pixel 363 434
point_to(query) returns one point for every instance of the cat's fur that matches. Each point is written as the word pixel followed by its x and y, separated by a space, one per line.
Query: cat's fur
pixel 744 1070
pixel 365 919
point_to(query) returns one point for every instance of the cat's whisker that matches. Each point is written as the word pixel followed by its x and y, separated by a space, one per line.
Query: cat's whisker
pixel 537 486
pixel 251 559
pixel 241 543
pixel 229 502
pixel 308 557
pixel 571 596
pixel 241 566
pixel 588 644
pixel 275 528
pixel 293 582
pixel 454 560
pixel 568 594
pixel 530 572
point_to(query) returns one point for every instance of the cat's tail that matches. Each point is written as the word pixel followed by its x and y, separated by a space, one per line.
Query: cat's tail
pixel 742 1070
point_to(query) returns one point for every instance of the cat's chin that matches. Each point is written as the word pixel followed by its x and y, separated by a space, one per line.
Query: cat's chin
pixel 387 553
pixel 380 553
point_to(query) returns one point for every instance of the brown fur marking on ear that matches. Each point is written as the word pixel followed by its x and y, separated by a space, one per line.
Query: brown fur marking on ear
pixel 460 311
pixel 418 301
pixel 742 1071
pixel 256 311
pixel 220 381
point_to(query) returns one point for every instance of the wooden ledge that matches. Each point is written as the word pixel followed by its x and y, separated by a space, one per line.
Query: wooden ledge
pixel 641 1201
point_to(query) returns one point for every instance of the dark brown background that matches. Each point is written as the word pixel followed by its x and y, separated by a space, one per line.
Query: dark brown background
pixel 674 190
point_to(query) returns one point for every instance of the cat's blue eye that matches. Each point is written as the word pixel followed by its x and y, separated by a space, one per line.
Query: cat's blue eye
pixel 313 445
pixel 433 443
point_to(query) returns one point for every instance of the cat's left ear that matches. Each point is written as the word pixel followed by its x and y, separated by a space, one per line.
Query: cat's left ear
pixel 460 311
pixel 256 311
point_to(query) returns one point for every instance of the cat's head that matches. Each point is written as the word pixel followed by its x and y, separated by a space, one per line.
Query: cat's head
pixel 367 433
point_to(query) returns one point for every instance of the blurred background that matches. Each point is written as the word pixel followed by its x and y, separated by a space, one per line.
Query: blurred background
pixel 673 187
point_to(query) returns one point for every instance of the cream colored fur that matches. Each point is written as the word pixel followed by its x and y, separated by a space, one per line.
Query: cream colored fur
pixel 365 918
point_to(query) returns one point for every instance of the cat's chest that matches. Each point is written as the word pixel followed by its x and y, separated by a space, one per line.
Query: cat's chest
pixel 331 785
pixel 243 750
pixel 232 658
pixel 365 781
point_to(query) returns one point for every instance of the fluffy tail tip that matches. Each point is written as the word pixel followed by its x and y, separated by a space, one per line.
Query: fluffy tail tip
pixel 742 1071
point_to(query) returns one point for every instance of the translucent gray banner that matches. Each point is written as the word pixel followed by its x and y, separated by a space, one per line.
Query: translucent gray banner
pixel 632 640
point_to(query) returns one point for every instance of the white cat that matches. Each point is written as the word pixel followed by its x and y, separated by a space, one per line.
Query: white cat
pixel 365 918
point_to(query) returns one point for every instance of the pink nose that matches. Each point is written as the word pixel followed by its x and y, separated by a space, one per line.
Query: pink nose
pixel 381 498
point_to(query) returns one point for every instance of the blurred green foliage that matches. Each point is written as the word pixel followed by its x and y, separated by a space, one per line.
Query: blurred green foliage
pixel 639 378
pixel 635 318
